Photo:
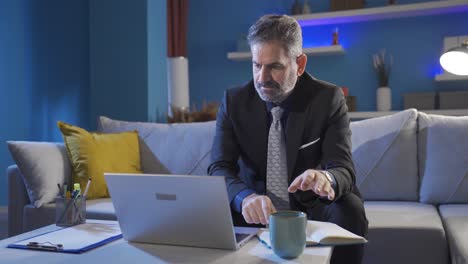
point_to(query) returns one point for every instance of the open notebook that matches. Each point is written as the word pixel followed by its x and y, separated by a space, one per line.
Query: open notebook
pixel 322 234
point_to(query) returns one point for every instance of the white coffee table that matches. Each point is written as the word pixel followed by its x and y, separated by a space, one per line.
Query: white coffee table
pixel 121 251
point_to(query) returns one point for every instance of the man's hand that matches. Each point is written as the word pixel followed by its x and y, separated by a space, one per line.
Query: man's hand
pixel 313 180
pixel 256 209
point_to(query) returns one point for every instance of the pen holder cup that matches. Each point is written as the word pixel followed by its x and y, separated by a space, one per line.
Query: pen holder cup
pixel 69 211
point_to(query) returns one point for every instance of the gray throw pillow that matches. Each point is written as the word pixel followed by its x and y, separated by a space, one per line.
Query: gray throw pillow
pixel 43 166
pixel 183 148
pixel 443 158
pixel 385 156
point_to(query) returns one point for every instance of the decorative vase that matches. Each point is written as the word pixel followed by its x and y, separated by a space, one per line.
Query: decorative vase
pixel 306 8
pixel 296 8
pixel 384 99
pixel 178 84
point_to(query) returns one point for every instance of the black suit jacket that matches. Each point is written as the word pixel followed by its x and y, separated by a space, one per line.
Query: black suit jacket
pixel 317 112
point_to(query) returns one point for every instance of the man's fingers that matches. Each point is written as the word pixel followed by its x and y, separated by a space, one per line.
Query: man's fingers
pixel 319 186
pixel 266 209
pixel 246 215
pixel 257 215
pixel 331 195
pixel 308 181
pixel 295 184
pixel 258 210
pixel 326 190
pixel 305 184
pixel 273 209
pixel 302 182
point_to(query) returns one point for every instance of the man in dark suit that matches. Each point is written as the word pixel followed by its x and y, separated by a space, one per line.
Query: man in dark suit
pixel 308 167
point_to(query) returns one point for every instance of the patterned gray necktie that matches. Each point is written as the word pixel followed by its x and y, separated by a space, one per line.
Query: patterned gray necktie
pixel 277 173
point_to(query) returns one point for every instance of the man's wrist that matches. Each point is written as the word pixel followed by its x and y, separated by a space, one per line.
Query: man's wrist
pixel 248 197
pixel 329 177
pixel 239 198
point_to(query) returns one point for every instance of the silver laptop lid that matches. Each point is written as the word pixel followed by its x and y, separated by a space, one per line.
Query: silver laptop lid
pixel 173 209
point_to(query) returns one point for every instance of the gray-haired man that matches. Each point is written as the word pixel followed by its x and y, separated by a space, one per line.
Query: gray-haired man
pixel 283 139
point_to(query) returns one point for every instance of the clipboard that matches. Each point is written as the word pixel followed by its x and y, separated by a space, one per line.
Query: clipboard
pixel 75 239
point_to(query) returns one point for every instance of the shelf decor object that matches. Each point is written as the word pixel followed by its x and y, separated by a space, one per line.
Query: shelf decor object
pixel 177 61
pixel 383 93
pixel 381 13
pixel 178 83
pixel 315 51
pixel 346 4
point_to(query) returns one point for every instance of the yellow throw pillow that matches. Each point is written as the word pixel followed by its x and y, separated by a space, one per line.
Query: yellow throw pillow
pixel 93 154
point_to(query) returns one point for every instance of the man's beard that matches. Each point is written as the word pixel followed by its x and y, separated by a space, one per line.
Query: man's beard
pixel 277 93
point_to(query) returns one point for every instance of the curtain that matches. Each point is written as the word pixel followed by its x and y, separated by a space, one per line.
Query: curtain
pixel 177 15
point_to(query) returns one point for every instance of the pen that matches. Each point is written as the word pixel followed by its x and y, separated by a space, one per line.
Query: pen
pixel 87 187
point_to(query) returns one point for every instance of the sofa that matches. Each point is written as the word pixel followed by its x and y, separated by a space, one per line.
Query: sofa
pixel 411 167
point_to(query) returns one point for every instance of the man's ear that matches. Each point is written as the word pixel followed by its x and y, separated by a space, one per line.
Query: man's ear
pixel 301 61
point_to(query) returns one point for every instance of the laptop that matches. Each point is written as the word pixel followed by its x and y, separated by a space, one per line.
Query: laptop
pixel 181 210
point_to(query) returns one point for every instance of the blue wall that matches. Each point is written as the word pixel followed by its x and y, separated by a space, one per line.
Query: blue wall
pixel 15 102
pixel 118 59
pixel 128 59
pixel 57 56
pixel 76 60
pixel 157 53
pixel 43 71
pixel 415 43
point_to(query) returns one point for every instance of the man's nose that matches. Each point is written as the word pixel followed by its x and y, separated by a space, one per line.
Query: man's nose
pixel 264 74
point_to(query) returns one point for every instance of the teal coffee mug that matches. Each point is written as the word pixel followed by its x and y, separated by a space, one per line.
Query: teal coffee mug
pixel 288 233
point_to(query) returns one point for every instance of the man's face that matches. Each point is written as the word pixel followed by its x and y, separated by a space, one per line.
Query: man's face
pixel 274 73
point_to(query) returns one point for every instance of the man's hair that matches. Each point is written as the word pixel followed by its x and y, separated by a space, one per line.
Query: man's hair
pixel 281 28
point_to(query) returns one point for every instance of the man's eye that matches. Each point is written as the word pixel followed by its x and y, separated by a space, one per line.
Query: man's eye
pixel 276 66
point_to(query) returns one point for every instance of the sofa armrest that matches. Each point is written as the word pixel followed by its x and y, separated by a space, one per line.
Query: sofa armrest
pixel 17 200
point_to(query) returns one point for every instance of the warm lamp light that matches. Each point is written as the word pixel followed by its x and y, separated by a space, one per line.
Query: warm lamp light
pixel 455 60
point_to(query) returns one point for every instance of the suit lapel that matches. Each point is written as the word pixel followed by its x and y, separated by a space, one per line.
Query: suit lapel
pixel 258 136
pixel 294 131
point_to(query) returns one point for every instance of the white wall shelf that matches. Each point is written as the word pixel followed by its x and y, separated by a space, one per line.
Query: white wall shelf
pixel 445 77
pixel 381 13
pixel 371 114
pixel 315 51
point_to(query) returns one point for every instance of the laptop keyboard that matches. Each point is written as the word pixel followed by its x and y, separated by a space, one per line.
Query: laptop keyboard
pixel 239 237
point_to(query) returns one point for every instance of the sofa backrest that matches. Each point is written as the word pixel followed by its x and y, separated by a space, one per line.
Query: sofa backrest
pixel 407 156
pixel 183 148
pixel 443 158
pixel 385 156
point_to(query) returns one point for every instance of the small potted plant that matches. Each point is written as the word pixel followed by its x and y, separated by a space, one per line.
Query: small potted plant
pixel 383 69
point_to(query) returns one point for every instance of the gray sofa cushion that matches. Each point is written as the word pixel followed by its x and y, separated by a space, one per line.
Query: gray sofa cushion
pixel 182 148
pixel 404 232
pixel 455 219
pixel 384 155
pixel 34 218
pixel 443 158
pixel 43 165
pixel 102 209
